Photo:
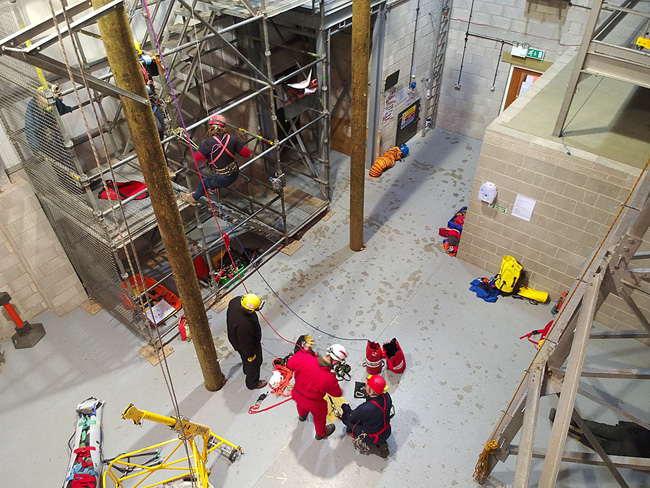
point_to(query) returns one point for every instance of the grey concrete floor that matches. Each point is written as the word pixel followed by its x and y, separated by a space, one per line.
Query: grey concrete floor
pixel 464 357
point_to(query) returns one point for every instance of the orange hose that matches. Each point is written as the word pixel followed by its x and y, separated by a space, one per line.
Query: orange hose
pixel 385 162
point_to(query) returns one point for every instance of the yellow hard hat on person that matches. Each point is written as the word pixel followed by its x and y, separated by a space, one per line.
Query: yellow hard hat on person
pixel 251 302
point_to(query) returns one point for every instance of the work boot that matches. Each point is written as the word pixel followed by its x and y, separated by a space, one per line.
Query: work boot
pixel 188 198
pixel 383 449
pixel 302 418
pixel 329 429
pixel 260 384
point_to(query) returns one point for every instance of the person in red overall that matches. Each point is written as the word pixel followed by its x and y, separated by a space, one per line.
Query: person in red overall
pixel 372 418
pixel 313 379
pixel 219 149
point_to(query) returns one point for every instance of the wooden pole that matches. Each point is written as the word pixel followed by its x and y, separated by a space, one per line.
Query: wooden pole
pixel 120 50
pixel 360 56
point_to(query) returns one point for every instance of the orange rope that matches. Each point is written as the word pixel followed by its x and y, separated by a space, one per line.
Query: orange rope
pixel 281 388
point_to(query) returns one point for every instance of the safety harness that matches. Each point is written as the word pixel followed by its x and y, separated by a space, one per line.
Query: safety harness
pixel 223 145
pixel 375 436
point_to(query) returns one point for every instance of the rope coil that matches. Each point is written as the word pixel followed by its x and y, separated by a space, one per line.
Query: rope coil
pixel 481 469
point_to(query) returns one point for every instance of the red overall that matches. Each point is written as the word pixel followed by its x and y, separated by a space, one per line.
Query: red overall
pixel 312 382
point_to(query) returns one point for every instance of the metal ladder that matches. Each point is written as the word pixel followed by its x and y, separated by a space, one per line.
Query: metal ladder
pixel 433 100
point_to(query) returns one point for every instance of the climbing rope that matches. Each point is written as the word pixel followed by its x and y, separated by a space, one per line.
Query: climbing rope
pixel 222 213
pixel 481 468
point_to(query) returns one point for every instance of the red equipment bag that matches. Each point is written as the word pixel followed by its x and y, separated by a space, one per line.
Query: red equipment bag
pixel 124 190
pixel 374 358
pixel 394 355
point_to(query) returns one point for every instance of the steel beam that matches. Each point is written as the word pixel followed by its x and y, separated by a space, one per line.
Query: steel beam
pixel 32 31
pixel 622 462
pixel 533 394
pixel 572 377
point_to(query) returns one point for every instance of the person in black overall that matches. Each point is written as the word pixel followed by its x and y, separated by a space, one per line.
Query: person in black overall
pixel 245 336
pixel 219 149
pixel 371 419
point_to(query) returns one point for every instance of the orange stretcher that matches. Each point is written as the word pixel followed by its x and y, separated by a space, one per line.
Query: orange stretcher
pixel 160 303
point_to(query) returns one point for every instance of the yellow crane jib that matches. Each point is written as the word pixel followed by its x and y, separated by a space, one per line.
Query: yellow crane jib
pixel 643 42
pixel 124 471
pixel 179 425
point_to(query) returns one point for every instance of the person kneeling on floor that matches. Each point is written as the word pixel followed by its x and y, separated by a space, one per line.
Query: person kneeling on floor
pixel 370 421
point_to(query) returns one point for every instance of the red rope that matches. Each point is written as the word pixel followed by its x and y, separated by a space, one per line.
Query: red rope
pixel 256 408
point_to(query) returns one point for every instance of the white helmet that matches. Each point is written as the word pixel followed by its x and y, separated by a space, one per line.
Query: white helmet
pixel 337 352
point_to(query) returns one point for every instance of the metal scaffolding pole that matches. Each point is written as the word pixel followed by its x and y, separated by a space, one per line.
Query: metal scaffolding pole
pixel 118 40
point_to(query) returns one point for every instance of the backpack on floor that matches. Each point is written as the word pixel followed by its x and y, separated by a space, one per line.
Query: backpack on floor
pixel 509 274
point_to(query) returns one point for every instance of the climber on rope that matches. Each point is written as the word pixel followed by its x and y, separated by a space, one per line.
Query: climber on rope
pixel 219 149
pixel 245 336
pixel 370 421
pixel 313 379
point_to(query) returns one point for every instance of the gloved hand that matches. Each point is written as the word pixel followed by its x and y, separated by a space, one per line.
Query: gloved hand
pixel 56 91
pixel 251 359
pixel 345 407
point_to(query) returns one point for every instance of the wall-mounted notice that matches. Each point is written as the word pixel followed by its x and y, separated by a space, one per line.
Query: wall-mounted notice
pixel 390 96
pixel 401 96
pixel 523 207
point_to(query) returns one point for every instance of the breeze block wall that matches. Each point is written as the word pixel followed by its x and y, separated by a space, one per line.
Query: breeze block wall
pixel 578 196
pixel 34 269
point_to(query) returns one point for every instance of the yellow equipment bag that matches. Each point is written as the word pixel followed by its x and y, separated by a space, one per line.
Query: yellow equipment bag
pixel 508 275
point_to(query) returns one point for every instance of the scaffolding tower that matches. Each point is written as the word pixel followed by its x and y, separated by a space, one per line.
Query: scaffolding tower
pixel 237 58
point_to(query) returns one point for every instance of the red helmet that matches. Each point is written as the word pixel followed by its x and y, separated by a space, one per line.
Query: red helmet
pixel 377 384
pixel 217 119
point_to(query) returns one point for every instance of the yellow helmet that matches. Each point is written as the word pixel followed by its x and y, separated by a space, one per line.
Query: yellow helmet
pixel 251 302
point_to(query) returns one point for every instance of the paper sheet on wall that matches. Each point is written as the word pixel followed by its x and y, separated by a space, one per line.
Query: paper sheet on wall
pixel 401 96
pixel 523 207
pixel 388 113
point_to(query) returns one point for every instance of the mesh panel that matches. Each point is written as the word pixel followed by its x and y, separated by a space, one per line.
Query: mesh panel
pixel 32 122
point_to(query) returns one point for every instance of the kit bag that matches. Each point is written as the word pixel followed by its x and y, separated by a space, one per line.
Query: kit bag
pixel 509 274
pixel 394 355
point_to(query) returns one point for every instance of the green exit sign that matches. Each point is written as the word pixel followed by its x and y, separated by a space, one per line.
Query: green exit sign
pixel 535 54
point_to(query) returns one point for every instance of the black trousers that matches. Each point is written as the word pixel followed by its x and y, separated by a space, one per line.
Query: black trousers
pixel 616 440
pixel 252 369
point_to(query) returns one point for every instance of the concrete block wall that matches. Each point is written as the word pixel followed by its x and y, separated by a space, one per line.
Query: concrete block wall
pixel 577 198
pixel 34 269
pixel 403 43
pixel 553 27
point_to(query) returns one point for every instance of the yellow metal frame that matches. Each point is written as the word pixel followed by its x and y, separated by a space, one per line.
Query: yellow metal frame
pixel 188 431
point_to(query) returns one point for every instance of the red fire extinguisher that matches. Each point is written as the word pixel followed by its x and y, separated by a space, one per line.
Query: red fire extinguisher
pixel 374 358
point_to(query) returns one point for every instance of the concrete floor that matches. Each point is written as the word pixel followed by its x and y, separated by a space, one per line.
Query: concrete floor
pixel 464 357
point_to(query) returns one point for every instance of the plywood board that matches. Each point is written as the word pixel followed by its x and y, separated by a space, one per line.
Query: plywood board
pixel 155 355
pixel 327 215
pixel 222 303
pixel 291 248
pixel 91 306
